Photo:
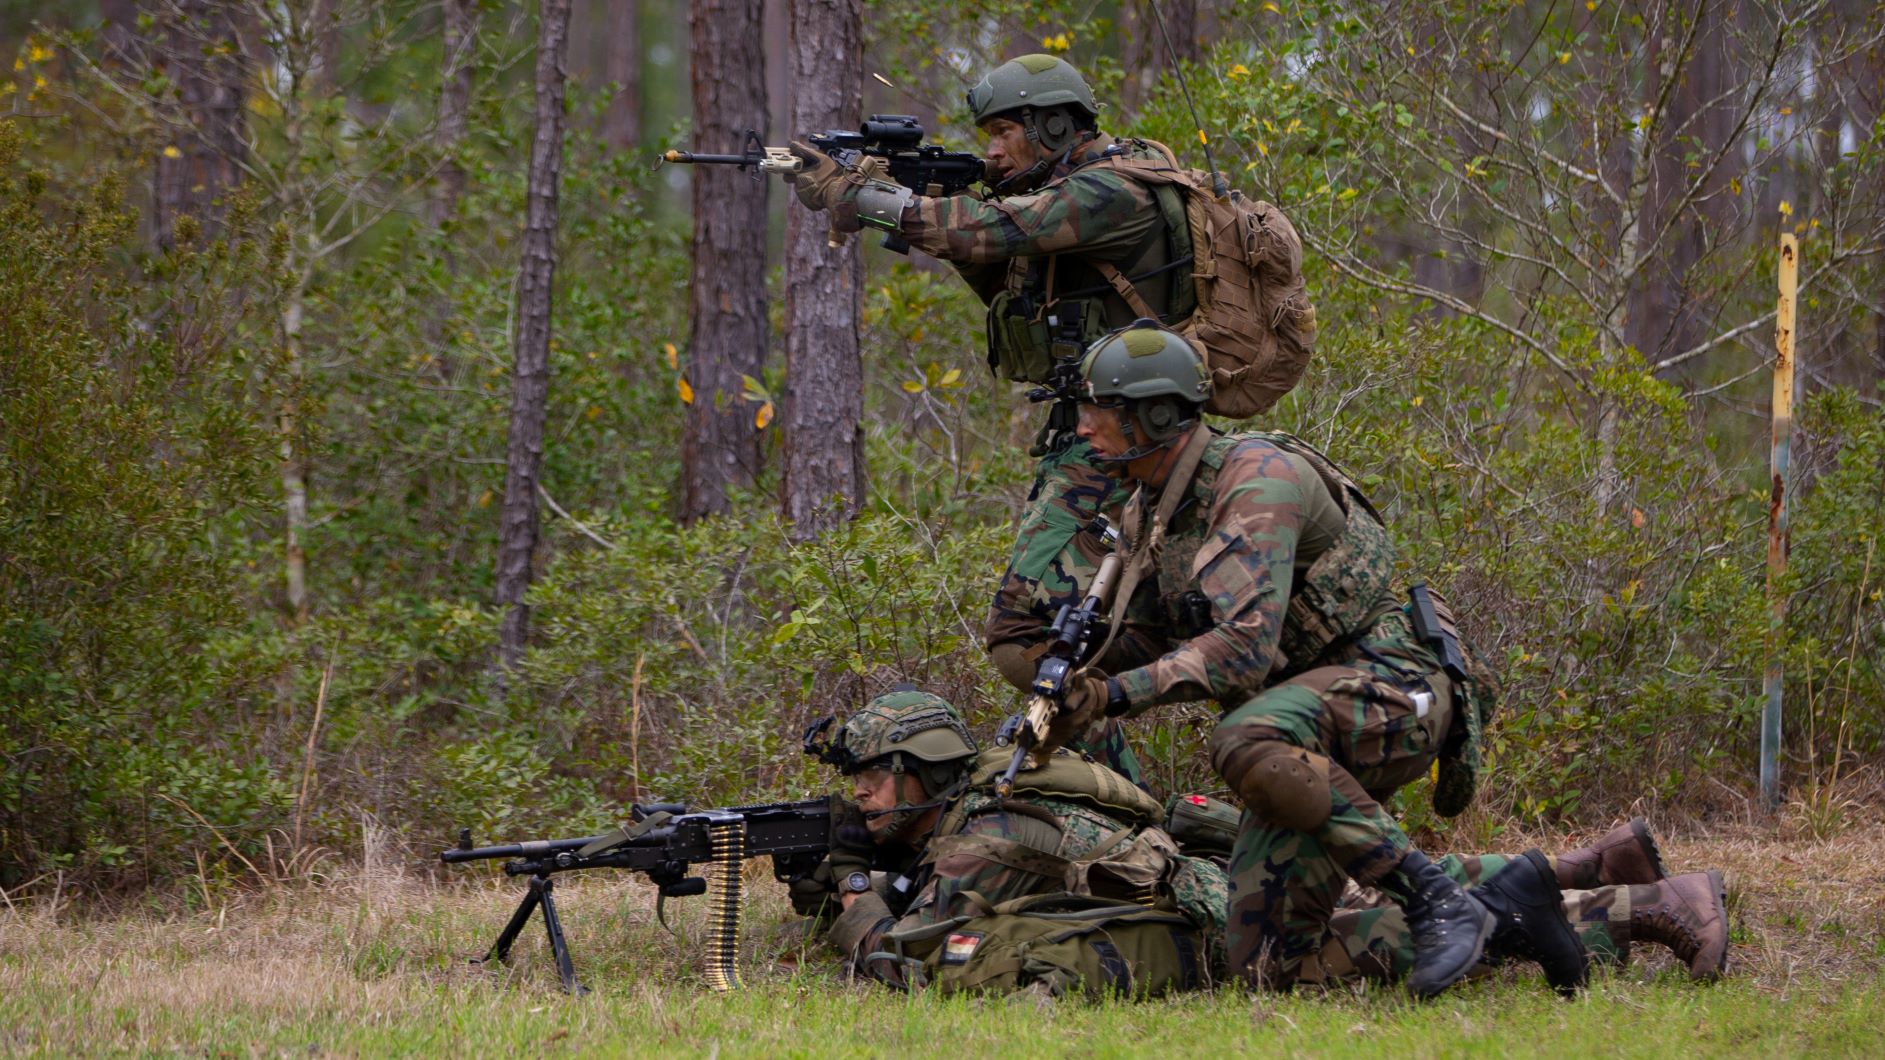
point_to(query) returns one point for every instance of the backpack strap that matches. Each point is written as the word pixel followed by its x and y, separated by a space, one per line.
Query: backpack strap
pixel 1002 852
pixel 1125 288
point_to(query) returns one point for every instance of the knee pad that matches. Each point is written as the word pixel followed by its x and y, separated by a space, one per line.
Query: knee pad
pixel 1282 784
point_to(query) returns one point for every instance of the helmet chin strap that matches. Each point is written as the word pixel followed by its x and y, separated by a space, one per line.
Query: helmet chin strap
pixel 1046 164
pixel 1139 451
pixel 903 813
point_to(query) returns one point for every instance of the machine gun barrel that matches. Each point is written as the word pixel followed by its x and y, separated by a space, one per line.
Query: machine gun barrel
pixel 664 843
pixel 538 848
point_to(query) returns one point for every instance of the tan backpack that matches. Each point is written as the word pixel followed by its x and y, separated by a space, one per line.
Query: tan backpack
pixel 1254 320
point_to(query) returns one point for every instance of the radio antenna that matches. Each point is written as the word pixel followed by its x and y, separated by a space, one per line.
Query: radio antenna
pixel 1218 187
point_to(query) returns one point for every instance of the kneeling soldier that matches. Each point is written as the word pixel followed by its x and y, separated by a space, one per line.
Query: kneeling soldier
pixel 1257 574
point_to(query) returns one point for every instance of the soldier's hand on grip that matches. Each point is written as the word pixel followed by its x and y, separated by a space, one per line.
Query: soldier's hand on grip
pixel 811 893
pixel 851 845
pixel 1082 707
pixel 821 182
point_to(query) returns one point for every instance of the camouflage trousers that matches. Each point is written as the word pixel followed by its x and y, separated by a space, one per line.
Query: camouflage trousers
pixel 1053 561
pixel 1367 938
pixel 1360 725
pixel 1302 904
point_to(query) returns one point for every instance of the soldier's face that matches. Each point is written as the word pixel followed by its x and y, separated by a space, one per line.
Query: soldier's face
pixel 1099 427
pixel 877 789
pixel 1009 147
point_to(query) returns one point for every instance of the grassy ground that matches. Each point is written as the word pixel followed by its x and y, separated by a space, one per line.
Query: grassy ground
pixel 373 963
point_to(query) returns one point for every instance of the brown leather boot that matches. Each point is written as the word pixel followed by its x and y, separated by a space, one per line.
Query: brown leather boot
pixel 1627 854
pixel 1687 914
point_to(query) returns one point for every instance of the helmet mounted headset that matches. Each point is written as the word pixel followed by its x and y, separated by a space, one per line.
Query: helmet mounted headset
pixel 904 731
pixel 1051 102
pixel 1152 375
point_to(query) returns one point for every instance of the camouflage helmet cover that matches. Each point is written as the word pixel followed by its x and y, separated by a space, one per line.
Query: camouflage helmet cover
pixel 907 722
pixel 1143 361
pixel 1037 81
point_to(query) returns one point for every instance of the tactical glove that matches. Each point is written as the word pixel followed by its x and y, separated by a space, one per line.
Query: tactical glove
pixel 815 894
pixel 855 197
pixel 1083 705
pixel 821 181
pixel 852 849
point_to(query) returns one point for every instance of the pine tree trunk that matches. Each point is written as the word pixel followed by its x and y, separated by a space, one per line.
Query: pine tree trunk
pixel 530 376
pixel 727 314
pixel 294 471
pixel 622 124
pixel 202 56
pixel 824 372
pixel 454 104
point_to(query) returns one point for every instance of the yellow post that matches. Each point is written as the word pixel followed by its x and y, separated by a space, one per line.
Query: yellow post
pixel 1781 468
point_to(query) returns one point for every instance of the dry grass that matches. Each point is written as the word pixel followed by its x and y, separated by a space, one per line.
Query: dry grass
pixel 385 949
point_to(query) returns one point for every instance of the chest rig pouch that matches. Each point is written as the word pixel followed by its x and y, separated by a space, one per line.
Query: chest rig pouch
pixel 1337 598
pixel 1349 586
pixel 1187 611
pixel 1040 321
pixel 1030 333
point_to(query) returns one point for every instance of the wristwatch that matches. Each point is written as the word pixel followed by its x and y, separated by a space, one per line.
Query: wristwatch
pixel 1116 701
pixel 855 883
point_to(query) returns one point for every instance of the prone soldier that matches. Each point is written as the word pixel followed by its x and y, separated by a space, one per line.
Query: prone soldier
pixel 973 880
pixel 976 881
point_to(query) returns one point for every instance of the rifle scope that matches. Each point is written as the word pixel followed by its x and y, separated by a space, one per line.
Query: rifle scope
pixel 896 131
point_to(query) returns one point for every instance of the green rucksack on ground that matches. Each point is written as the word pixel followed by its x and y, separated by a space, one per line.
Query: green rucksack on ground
pixel 1061 943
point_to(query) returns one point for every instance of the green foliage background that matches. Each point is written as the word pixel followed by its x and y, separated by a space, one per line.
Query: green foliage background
pixel 161 717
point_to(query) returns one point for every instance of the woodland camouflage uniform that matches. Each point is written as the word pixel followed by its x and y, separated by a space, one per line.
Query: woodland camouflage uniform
pixel 1256 573
pixel 986 853
pixel 1074 831
pixel 1040 247
pixel 1274 595
pixel 1033 255
pixel 1028 250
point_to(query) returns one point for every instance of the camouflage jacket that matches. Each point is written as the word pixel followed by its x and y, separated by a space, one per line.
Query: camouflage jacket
pixel 1274 563
pixel 1041 244
pixel 987 851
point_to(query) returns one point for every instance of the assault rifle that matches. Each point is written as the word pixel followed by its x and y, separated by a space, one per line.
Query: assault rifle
pixel 1072 631
pixel 897 139
pixel 664 842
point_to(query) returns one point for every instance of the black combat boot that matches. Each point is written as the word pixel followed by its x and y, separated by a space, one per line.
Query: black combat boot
pixel 1525 899
pixel 1449 926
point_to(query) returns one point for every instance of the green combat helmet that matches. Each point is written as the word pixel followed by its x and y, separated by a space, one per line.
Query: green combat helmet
pixel 1155 375
pixel 905 731
pixel 1046 95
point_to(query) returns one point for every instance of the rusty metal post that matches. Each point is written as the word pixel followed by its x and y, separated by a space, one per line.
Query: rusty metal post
pixel 1781 469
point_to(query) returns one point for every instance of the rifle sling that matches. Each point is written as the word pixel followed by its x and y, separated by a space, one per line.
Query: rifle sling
pixel 1145 545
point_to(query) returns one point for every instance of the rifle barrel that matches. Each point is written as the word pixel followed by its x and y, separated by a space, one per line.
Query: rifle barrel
pixel 702 159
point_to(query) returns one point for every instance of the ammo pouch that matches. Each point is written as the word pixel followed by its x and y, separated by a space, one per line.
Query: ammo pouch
pixel 1202 826
pixel 1017 339
pixel 1023 346
pixel 1064 943
pixel 1187 614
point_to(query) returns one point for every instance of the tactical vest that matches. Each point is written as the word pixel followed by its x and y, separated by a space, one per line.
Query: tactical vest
pixel 1129 858
pixel 1338 598
pixel 1051 308
pixel 1130 915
